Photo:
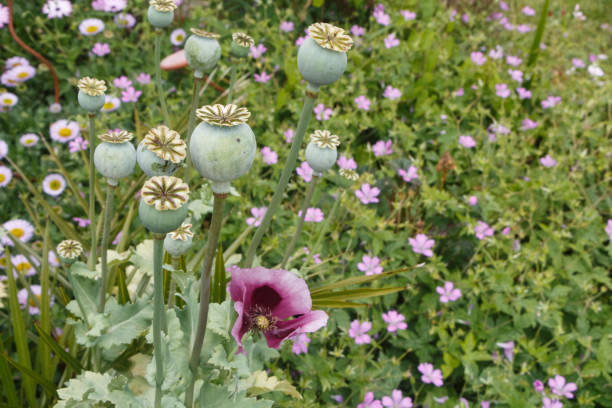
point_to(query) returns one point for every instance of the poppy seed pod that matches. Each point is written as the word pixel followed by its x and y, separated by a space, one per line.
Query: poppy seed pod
pixel 163 204
pixel 161 152
pixel 321 153
pixel 202 51
pixel 322 56
pixel 115 157
pixel 222 146
pixel 241 43
pixel 179 241
pixel 161 13
pixel 69 251
pixel 91 94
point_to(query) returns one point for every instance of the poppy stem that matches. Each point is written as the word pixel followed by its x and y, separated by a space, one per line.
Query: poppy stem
pixel 158 78
pixel 92 191
pixel 211 246
pixel 108 212
pixel 231 84
pixel 158 309
pixel 195 98
pixel 298 230
pixel 311 95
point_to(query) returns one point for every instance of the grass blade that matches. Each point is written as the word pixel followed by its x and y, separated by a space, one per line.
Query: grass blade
pixel 6 377
pixel 59 350
pixel 353 294
pixel 26 372
pixel 320 304
pixel 45 316
pixel 534 51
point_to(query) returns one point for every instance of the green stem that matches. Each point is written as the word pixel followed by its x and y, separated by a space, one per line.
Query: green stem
pixel 326 223
pixel 195 97
pixel 172 290
pixel 211 246
pixel 108 212
pixel 298 230
pixel 158 78
pixel 284 179
pixel 92 190
pixel 232 80
pixel 158 309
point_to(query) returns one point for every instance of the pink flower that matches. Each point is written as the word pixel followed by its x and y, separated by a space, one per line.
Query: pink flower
pixel 124 20
pixel 516 74
pixel 559 387
pixel 130 95
pixel 362 102
pixel 322 113
pixel 459 92
pixel 409 175
pixel 503 6
pixel 502 90
pixel 473 201
pixel 578 63
pixel 123 82
pixel 305 171
pixel 367 194
pixel 370 265
pixel 357 31
pixel 548 403
pixel 497 52
pixel 263 77
pixel 551 101
pixel 408 15
pixel 143 78
pixel 257 51
pixel 258 213
pixel 300 343
pixel 483 230
pixel 358 331
pixel 392 93
pixel 382 148
pixel 313 214
pixel 538 386
pixel 381 17
pixel 395 321
pixel 269 155
pixel 288 135
pixel 300 40
pixel 548 161
pixel 448 293
pixel 265 298
pixel 528 124
pixel 4 15
pixel 508 348
pixel 421 244
pixel 397 400
pixel 369 401
pixel 391 41
pixel 430 375
pixel 528 11
pixel 286 26
pixel 478 58
pixel 513 60
pixel 346 163
pixel 101 49
pixel 81 222
pixel 77 144
pixel 608 229
pixel 467 141
pixel 23 298
pixel 523 28
pixel 117 238
pixel 523 93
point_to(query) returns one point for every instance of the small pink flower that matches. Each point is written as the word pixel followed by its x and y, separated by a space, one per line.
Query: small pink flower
pixel 143 78
pixel 77 144
pixel 421 244
pixel 81 222
pixel 286 26
pixel 305 171
pixel 391 41
pixel 516 74
pixel 369 401
pixel 370 265
pixel 408 15
pixel 122 82
pixel 502 90
pixel 528 124
pixel 130 95
pixel 263 77
pixel 559 387
pixel 346 163
pixel 395 321
pixel 300 40
pixel 382 148
pixel 608 229
pixel 300 343
pixel 430 375
pixel 269 155
pixel 503 6
pixel 409 175
pixel 578 63
pixel 392 93
pixel 101 49
pixel 258 213
pixel 548 161
pixel 523 93
pixel 117 238
pixel 548 403
pixel 497 52
pixel 467 141
pixel 357 31
pixel 523 28
pixel 473 201
pixel 483 230
pixel 551 101
pixel 257 51
pixel 288 135
pixel 358 331
pixel 313 214
pixel 382 18
pixel 459 92
pixel 448 292
pixel 478 58
pixel 367 194
pixel 538 386
pixel 528 11
pixel 513 60
pixel 322 113
pixel 508 348
pixel 362 102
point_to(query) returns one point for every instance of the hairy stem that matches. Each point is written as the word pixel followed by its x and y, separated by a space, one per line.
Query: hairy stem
pixel 231 84
pixel 158 78
pixel 211 246
pixel 92 192
pixel 284 179
pixel 195 97
pixel 172 290
pixel 298 230
pixel 158 309
pixel 108 212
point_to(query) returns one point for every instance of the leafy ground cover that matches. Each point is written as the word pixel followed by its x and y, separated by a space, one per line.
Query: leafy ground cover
pixel 480 135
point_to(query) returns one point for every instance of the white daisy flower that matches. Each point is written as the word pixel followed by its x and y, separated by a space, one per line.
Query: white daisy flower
pixel 52 258
pixel 6 175
pixel 3 149
pixel 63 130
pixel 29 140
pixel 8 100
pixel 91 26
pixel 3 260
pixel 22 73
pixel 57 8
pixel 111 104
pixel 178 36
pixel 8 79
pixel 54 184
pixel 22 266
pixel 15 62
pixel 23 296
pixel 595 70
pixel 21 229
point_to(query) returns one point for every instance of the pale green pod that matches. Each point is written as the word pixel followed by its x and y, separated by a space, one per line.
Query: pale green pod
pixel 161 222
pixel 159 19
pixel 320 66
pixel 177 247
pixel 202 51
pixel 153 165
pixel 115 160
pixel 320 159
pixel 90 103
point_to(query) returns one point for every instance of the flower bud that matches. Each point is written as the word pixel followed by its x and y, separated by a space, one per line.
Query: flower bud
pixel 321 153
pixel 179 241
pixel 202 51
pixel 115 157
pixel 163 205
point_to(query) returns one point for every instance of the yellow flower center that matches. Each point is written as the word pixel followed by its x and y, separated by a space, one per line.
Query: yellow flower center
pixel 65 132
pixel 108 105
pixel 179 37
pixel 2 178
pixel 32 302
pixel 92 29
pixel 7 101
pixel 22 74
pixel 23 267
pixel 55 185
pixel 262 322
pixel 17 232
pixel 3 261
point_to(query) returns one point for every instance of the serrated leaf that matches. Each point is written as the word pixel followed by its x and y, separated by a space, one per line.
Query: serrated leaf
pixel 123 323
pixel 142 257
pixel 259 383
pixel 220 318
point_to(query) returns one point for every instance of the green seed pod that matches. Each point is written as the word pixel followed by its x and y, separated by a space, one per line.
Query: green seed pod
pixel 91 94
pixel 322 56
pixel 223 146
pixel 321 153
pixel 161 13
pixel 202 51
pixel 115 157
pixel 163 206
pixel 179 241
pixel 161 152
pixel 69 251
pixel 241 43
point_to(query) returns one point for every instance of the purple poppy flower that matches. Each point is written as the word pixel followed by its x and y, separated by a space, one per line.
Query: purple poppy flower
pixel 143 78
pixel 538 386
pixel 263 77
pixel 528 124
pixel 550 102
pixel 502 90
pixel 357 31
pixel 408 15
pixel 101 49
pixel 122 82
pixel 382 148
pixel 370 265
pixel 265 298
pixel 467 141
pixel 288 135
pixel 322 113
pixel 392 93
pixel 257 51
pixel 269 155
pixel 528 11
pixel 305 171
